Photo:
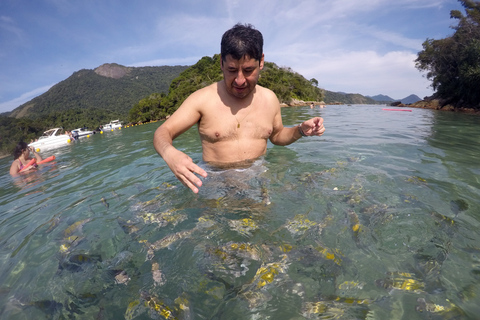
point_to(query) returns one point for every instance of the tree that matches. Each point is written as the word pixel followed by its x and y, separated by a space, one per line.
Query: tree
pixel 148 109
pixel 453 63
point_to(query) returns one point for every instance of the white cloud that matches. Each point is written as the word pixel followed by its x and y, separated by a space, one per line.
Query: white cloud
pixel 368 73
pixel 14 103
pixel 182 61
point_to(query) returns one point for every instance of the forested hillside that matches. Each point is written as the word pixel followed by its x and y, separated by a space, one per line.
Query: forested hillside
pixel 287 85
pixel 110 87
pixel 347 98
pixel 87 98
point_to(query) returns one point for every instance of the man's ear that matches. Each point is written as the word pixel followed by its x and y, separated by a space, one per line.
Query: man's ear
pixel 262 61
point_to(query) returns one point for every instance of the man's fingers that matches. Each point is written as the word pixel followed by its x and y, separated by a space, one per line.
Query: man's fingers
pixel 191 180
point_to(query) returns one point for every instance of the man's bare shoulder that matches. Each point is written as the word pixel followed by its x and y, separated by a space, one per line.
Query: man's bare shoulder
pixel 267 93
pixel 209 90
pixel 203 95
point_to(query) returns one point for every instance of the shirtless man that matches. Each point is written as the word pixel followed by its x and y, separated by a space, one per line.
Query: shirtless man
pixel 235 116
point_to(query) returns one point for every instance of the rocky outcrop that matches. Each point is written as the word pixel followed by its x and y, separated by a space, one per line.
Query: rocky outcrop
pixel 436 104
pixel 112 70
pixel 301 103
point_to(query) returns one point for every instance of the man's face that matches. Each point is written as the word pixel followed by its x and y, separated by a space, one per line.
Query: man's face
pixel 241 76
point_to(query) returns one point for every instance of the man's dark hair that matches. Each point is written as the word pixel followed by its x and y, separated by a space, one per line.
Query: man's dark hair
pixel 242 40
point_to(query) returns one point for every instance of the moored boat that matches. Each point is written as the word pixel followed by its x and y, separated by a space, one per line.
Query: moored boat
pixel 81 132
pixel 115 124
pixel 52 138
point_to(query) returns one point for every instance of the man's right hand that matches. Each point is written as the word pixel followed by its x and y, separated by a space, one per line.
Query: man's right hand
pixel 184 169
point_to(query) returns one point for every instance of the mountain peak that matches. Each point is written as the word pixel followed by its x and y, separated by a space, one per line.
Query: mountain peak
pixel 381 97
pixel 112 70
pixel 411 99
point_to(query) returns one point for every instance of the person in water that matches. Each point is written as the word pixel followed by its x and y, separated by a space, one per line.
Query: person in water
pixel 21 156
pixel 235 116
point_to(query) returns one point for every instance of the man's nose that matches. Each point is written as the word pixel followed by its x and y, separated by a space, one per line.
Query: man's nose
pixel 239 79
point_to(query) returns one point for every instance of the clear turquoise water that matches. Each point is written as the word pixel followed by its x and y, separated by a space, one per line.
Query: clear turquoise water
pixel 377 219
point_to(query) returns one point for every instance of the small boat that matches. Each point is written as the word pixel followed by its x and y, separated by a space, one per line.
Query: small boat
pixel 112 125
pixel 52 138
pixel 81 132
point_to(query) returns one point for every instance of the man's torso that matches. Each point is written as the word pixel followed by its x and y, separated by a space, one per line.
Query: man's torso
pixel 234 130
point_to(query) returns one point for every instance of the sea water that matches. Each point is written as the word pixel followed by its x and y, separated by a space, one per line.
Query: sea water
pixel 376 219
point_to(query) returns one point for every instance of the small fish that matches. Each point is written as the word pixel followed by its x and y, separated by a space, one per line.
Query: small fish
pixel 127 226
pixel 69 242
pixel 165 242
pixel 401 281
pixel 50 307
pixel 83 299
pixel 447 310
pixel 134 309
pixel 53 224
pixel 121 277
pixel 243 226
pixel 265 197
pixel 256 298
pixel 267 273
pixel 164 218
pixel 458 206
pixel 299 224
pixel 158 307
pixel 105 203
pixel 330 254
pixel 336 308
pixel 356 226
pixel 442 219
pixel 77 226
pixel 416 180
pixel 76 262
pixel 158 277
pixel 168 240
pixel 351 285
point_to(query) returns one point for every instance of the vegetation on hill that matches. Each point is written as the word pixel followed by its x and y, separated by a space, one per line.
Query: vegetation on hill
pixel 347 98
pixel 286 84
pixel 88 98
pixel 89 89
pixel 453 63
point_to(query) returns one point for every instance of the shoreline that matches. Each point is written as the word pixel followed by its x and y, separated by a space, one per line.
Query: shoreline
pixel 435 105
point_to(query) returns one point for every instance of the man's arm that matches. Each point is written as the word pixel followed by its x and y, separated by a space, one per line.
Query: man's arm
pixel 284 136
pixel 181 164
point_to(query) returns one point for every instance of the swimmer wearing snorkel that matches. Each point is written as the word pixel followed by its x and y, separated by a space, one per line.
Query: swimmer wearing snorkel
pixel 235 116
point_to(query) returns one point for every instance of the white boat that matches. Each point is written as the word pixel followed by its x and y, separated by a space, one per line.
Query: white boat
pixel 52 138
pixel 81 132
pixel 112 125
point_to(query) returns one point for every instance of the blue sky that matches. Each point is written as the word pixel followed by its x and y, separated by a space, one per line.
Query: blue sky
pixel 353 46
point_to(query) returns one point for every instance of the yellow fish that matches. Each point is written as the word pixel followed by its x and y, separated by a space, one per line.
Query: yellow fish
pixel 401 281
pixel 330 254
pixel 75 227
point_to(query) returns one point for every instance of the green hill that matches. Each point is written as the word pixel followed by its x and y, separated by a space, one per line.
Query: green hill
pixel 110 87
pixel 347 98
pixel 287 85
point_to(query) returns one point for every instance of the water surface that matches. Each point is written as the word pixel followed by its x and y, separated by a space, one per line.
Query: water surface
pixel 377 219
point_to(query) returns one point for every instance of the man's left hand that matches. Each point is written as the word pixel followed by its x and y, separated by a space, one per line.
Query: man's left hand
pixel 313 127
